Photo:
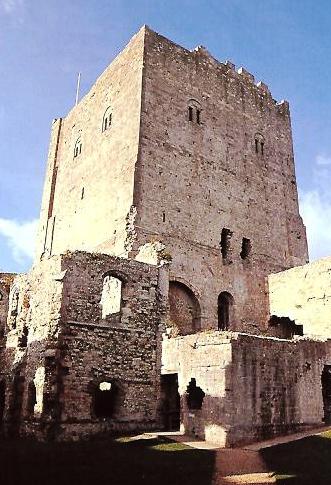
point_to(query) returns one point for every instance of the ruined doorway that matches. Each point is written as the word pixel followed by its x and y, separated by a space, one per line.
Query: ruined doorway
pixel 326 391
pixel 170 402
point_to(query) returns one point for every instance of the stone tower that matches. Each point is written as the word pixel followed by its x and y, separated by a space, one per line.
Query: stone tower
pixel 172 149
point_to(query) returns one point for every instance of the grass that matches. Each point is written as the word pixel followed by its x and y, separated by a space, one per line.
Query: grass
pixel 303 462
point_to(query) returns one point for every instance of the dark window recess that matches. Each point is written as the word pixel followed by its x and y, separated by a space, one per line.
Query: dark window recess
pixel 163 216
pixel 78 148
pixel 198 116
pixel 225 243
pixel 256 146
pixel 194 395
pixel 107 119
pixel 262 147
pixel 32 398
pixel 190 113
pixel 245 248
pixel 82 195
pixel 105 399
pixel 225 303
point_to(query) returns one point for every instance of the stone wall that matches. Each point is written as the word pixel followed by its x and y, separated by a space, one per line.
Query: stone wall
pixel 59 349
pixel 194 179
pixel 254 387
pixel 87 198
pixel 303 294
pixel 5 282
pixel 122 349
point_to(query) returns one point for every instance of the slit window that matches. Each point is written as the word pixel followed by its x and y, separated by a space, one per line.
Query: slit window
pixel 194 111
pixel 259 144
pixel 245 248
pixel 190 113
pixel 78 147
pixel 107 119
pixel 225 244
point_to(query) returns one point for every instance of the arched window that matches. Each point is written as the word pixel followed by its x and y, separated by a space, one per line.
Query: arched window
pixel 107 119
pixel 225 308
pixel 111 297
pixel 259 144
pixel 105 399
pixel 184 309
pixel 194 111
pixel 78 147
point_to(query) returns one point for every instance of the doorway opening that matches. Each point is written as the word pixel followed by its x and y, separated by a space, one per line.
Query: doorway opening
pixel 326 391
pixel 170 400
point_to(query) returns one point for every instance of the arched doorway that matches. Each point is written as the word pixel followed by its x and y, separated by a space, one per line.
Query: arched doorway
pixel 225 310
pixel 184 309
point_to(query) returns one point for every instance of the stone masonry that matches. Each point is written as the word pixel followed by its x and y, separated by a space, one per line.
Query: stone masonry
pixel 170 288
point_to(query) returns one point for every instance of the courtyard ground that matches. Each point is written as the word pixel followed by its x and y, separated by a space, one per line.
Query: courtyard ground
pixel 158 461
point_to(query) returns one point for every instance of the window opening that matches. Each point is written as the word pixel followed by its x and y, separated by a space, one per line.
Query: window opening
pixel 245 248
pixel 190 113
pixel 225 303
pixel 78 148
pixel 104 400
pixel 107 119
pixel 225 243
pixel 111 297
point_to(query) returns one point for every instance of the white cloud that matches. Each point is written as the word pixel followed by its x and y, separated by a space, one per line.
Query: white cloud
pixel 315 208
pixel 20 237
pixel 10 6
pixel 323 160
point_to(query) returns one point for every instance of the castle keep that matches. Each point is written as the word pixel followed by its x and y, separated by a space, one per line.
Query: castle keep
pixel 170 287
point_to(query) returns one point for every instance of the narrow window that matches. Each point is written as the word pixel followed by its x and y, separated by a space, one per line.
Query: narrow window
pixel 225 304
pixel 163 216
pixel 32 398
pixel 256 146
pixel 225 243
pixel 78 147
pixel 194 395
pixel 198 116
pixel 245 248
pixel 82 195
pixel 259 144
pixel 190 113
pixel 107 118
pixel 111 298
pixel 262 147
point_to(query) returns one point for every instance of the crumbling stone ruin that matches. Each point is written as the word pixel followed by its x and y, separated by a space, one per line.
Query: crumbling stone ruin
pixel 170 288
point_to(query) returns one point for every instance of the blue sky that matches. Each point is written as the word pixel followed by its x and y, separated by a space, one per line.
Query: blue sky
pixel 44 43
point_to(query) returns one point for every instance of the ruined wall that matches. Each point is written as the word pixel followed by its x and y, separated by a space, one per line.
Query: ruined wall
pixel 88 197
pixel 59 348
pixel 122 349
pixel 193 179
pixel 254 387
pixel 27 359
pixel 5 282
pixel 303 294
